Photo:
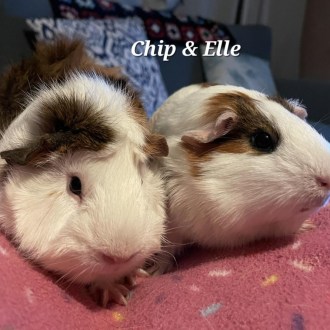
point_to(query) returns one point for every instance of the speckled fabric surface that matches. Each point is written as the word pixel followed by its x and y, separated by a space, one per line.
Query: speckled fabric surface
pixel 282 284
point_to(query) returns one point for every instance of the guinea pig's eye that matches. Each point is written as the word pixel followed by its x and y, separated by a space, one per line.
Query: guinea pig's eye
pixel 75 185
pixel 263 141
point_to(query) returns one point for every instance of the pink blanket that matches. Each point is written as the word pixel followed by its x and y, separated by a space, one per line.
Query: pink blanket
pixel 282 284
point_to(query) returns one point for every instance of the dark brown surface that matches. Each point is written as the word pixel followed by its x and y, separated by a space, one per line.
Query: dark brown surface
pixel 315 49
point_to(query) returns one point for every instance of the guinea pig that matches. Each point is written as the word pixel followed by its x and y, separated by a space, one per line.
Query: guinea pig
pixel 77 194
pixel 242 166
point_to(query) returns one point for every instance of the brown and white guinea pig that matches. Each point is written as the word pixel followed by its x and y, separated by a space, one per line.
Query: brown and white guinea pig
pixel 77 193
pixel 242 166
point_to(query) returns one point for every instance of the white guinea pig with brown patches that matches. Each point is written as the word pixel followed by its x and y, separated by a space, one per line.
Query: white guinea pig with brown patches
pixel 242 166
pixel 77 193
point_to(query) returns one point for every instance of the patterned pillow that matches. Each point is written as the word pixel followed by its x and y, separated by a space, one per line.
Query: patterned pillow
pixel 244 70
pixel 90 8
pixel 179 29
pixel 159 25
pixel 109 42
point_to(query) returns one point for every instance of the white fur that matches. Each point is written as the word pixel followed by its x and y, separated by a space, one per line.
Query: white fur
pixel 122 209
pixel 239 198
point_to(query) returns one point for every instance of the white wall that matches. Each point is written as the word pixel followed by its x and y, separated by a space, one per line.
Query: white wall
pixel 285 17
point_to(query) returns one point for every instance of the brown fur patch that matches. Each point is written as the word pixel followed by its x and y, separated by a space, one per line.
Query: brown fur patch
pixel 283 102
pixel 67 124
pixel 207 84
pixel 137 113
pixel 156 146
pixel 250 120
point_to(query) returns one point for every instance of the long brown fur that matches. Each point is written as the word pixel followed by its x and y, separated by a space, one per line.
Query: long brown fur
pixel 50 63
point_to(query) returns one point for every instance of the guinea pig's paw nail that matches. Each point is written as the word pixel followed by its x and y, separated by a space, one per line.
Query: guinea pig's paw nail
pixel 142 273
pixel 306 226
pixel 130 280
pixel 117 293
pixel 161 266
pixel 155 270
pixel 122 301
pixel 105 298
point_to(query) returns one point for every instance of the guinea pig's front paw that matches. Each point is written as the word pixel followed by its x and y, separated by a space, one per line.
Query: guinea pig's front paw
pixel 160 264
pixel 130 280
pixel 306 226
pixel 117 292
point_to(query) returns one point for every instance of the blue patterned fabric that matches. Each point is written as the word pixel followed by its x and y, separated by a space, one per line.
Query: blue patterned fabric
pixel 244 70
pixel 109 42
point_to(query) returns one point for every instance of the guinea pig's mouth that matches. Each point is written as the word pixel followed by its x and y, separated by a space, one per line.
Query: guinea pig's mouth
pixel 110 262
pixel 110 259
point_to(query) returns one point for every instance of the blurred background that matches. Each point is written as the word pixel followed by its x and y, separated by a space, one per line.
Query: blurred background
pixel 291 35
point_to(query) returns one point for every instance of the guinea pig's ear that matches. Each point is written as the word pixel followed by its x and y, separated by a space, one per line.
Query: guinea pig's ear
pixel 21 156
pixel 37 152
pixel 211 131
pixel 156 146
pixel 298 108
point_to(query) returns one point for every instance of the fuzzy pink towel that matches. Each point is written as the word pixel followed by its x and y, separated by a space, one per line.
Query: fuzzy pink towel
pixel 282 284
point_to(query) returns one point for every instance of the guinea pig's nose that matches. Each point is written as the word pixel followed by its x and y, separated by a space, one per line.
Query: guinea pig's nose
pixel 112 259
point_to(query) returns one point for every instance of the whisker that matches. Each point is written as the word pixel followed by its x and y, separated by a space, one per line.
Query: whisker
pixel 67 274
